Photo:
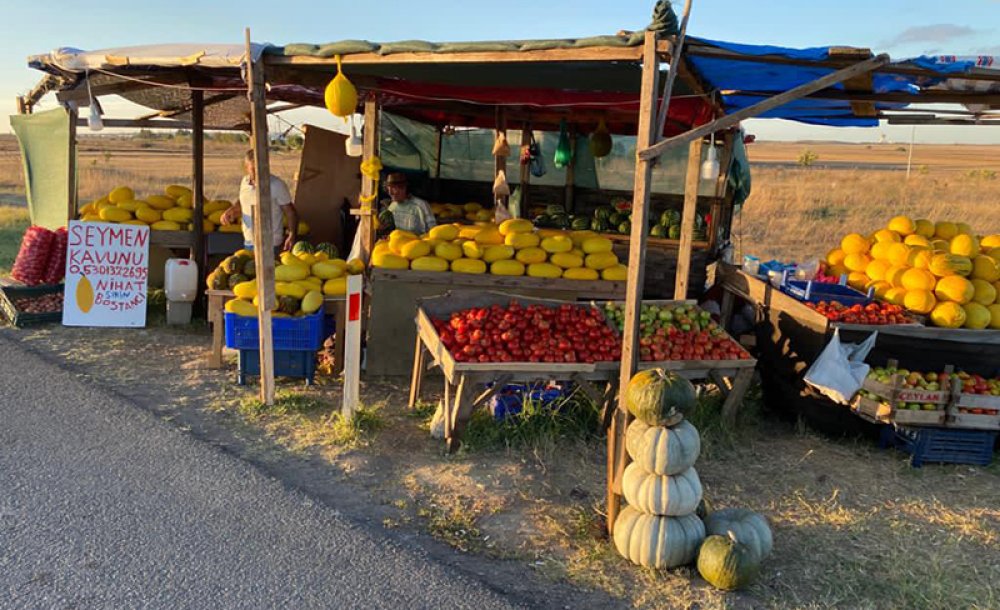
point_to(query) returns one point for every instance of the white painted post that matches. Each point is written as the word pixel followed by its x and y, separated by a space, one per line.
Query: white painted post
pixel 352 346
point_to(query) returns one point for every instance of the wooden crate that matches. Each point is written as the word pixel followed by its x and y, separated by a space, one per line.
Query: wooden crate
pixel 884 412
pixel 975 421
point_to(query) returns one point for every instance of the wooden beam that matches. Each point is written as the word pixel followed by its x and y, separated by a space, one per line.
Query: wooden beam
pixel 22 107
pixel 863 83
pixel 525 170
pixel 617 456
pixel 158 124
pixel 940 121
pixel 691 184
pixel 545 55
pixel 369 187
pixel 73 194
pixel 500 163
pixel 438 141
pixel 721 183
pixel 732 120
pixel 198 179
pixel 81 95
pixel 925 97
pixel 263 238
pixel 678 57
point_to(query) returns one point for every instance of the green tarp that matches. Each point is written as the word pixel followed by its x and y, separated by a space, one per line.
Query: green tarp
pixel 44 140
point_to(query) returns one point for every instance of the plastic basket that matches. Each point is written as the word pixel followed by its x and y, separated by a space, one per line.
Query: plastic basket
pixel 302 333
pixel 845 295
pixel 287 363
pixel 509 401
pixel 942 445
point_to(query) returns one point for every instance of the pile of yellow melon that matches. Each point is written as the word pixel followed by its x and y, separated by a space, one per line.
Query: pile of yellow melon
pixel 941 270
pixel 171 211
pixel 474 212
pixel 512 248
pixel 301 282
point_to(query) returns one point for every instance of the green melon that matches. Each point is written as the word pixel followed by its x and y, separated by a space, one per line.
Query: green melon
pixel 659 398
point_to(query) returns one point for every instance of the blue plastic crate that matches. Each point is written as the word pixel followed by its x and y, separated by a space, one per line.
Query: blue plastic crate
pixel 302 333
pixel 287 363
pixel 942 445
pixel 845 295
pixel 508 402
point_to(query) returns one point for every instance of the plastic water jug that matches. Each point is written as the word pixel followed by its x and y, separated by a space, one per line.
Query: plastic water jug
pixel 181 280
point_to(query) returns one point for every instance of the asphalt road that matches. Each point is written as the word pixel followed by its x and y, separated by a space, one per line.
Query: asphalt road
pixel 104 506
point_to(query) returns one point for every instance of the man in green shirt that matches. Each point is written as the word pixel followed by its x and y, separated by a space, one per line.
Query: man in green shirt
pixel 408 212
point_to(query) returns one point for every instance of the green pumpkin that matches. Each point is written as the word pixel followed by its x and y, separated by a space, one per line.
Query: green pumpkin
pixel 302 247
pixel 665 495
pixel 727 563
pixel 661 450
pixel 657 542
pixel 750 528
pixel 659 398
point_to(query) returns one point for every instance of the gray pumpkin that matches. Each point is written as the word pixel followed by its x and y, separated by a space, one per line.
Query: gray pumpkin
pixel 750 528
pixel 727 563
pixel 663 450
pixel 657 542
pixel 667 495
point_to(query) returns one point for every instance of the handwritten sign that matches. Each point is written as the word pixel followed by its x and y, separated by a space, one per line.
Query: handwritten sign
pixel 106 270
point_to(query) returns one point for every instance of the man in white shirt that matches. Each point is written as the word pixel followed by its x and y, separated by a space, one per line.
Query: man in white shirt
pixel 281 204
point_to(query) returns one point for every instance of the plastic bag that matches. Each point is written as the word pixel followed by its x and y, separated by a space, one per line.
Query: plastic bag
pixel 501 213
pixel 500 186
pixel 840 369
pixel 537 161
pixel 31 263
pixel 500 146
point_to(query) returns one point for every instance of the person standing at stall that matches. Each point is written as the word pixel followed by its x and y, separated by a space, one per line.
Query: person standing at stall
pixel 281 206
pixel 409 213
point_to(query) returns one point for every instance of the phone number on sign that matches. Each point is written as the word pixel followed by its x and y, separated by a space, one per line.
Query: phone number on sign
pixel 129 273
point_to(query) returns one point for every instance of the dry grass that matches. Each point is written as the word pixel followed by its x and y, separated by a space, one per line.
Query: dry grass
pixel 13 222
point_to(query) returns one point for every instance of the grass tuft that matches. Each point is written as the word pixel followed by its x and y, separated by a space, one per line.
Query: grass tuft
pixel 13 222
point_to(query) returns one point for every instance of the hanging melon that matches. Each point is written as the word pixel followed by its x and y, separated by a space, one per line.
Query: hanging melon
pixel 341 97
pixel 600 141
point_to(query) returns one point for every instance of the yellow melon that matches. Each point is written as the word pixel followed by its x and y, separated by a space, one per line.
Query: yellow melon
pixel 994 316
pixel 522 240
pixel 986 268
pixel 121 193
pixel 950 264
pixel 991 241
pixel 113 214
pixel 984 292
pixel 516 225
pixel 389 260
pixel 924 228
pixel 530 256
pixel 918 279
pixel 881 287
pixel 444 232
pixel 838 270
pixel 837 255
pixel 857 280
pixel 877 269
pixel 468 265
pixel 895 295
pixel 489 236
pixel 160 202
pixel 601 260
pixel 581 273
pixel 493 254
pixel 917 240
pixel 579 237
pixel 567 260
pixel 472 249
pixel 899 254
pixel 595 245
pixel 964 245
pixel 429 263
pixel 940 245
pixel 954 288
pixel 879 251
pixel 886 235
pixel 165 225
pixel 948 315
pixel 919 301
pixel 544 270
pixel 945 230
pixel 854 243
pixel 448 251
pixel 618 273
pixel 557 243
pixel 507 267
pixel 977 317
pixel 903 225
pixel 895 275
pixel 920 258
pixel 857 262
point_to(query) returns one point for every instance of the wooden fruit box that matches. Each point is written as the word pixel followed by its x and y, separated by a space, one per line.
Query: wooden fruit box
pixel 904 394
pixel 989 420
pixel 884 412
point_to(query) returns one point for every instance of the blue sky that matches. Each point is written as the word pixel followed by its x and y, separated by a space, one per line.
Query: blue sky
pixel 901 27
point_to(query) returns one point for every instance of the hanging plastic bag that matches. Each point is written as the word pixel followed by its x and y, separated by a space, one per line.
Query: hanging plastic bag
pixel 564 154
pixel 840 369
pixel 501 213
pixel 537 162
pixel 600 141
pixel 500 186
pixel 340 96
pixel 500 146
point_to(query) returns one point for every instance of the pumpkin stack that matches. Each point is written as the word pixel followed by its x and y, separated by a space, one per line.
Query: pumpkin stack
pixel 660 528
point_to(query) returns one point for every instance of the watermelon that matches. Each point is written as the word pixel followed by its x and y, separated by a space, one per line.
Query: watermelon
pixel 236 278
pixel 659 398
pixel 625 227
pixel 599 224
pixel 604 212
pixel 302 247
pixel 250 269
pixel 674 232
pixel 615 219
pixel 542 220
pixel 670 217
pixel 554 208
pixel 580 223
pixel 329 249
pixel 658 231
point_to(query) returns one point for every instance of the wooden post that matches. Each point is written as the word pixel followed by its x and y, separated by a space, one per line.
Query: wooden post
pixel 500 163
pixel 71 196
pixel 691 185
pixel 22 108
pixel 675 64
pixel 437 163
pixel 369 187
pixel 568 202
pixel 198 179
pixel 728 143
pixel 525 169
pixel 263 246
pixel 617 457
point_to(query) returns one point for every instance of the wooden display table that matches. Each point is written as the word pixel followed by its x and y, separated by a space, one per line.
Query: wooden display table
pixel 468 385
pixel 216 307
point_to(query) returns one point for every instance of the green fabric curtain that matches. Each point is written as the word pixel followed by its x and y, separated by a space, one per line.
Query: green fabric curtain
pixel 44 140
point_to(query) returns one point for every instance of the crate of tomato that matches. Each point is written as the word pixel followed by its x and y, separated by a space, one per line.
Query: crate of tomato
pixel 977 402
pixel 875 313
pixel 26 305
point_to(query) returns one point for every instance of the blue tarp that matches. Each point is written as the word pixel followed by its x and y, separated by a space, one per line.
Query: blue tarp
pixel 743 83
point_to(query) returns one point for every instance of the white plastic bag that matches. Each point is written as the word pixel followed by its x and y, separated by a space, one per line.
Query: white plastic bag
pixel 840 368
